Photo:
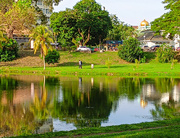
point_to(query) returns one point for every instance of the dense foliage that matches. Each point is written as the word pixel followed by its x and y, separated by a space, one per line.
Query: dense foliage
pixel 168 22
pixel 43 37
pixel 17 16
pixel 165 54
pixel 85 24
pixel 120 30
pixel 9 50
pixel 130 50
pixel 52 57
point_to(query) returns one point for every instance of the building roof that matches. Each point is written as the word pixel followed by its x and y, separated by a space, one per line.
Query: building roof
pixel 151 36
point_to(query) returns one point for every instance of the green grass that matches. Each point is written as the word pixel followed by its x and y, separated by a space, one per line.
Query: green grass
pixel 68 65
pixel 145 69
pixel 164 128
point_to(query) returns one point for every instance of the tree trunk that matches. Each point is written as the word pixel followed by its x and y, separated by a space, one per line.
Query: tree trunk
pixel 44 62
pixel 81 43
pixel 10 33
pixel 88 38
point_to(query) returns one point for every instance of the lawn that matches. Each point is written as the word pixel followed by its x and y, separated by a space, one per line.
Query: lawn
pixel 68 65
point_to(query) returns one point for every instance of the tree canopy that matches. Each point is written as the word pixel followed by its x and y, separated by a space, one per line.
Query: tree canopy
pixel 43 37
pixel 19 16
pixel 86 22
pixel 169 22
pixel 120 30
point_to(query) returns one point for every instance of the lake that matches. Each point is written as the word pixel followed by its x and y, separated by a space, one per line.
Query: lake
pixel 39 104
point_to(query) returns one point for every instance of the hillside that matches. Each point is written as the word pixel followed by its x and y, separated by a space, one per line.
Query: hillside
pixel 27 58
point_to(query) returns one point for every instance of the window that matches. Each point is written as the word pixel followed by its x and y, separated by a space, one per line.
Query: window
pixel 39 2
pixel 47 11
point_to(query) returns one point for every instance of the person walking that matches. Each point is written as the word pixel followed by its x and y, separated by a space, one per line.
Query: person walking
pixel 80 64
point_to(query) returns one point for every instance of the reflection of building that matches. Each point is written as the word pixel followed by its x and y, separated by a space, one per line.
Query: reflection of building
pixel 149 93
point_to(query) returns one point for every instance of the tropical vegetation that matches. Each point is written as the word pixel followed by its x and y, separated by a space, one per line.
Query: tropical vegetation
pixel 130 50
pixel 43 38
pixel 14 15
pixel 168 22
pixel 85 24
pixel 9 50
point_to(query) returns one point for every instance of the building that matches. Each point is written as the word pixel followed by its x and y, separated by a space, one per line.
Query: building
pixel 149 38
pixel 144 25
pixel 45 9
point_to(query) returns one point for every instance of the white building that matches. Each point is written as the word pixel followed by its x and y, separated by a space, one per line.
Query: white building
pixel 45 9
pixel 149 38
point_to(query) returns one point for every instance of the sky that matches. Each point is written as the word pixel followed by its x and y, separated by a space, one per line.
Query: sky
pixel 131 12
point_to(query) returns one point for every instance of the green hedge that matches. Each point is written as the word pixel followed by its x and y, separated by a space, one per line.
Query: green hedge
pixel 9 50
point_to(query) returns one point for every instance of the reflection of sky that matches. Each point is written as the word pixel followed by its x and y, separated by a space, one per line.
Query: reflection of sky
pixel 62 126
pixel 129 112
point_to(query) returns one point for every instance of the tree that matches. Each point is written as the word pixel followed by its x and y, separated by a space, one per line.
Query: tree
pixel 49 3
pixel 84 23
pixel 165 54
pixel 2 38
pixel 130 50
pixel 42 38
pixel 92 21
pixel 169 22
pixel 120 31
pixel 64 25
pixel 19 16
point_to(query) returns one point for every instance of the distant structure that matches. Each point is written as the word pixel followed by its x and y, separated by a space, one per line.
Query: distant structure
pixel 144 25
pixel 149 38
pixel 45 9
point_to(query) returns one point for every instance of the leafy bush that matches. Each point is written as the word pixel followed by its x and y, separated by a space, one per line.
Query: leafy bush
pixel 130 50
pixel 52 57
pixel 108 63
pixel 165 54
pixel 9 50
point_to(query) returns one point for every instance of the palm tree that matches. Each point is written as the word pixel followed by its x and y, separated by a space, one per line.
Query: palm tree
pixel 42 37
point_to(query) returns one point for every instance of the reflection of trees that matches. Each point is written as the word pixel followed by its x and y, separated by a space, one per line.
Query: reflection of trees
pixel 14 119
pixel 129 87
pixel 164 84
pixel 17 122
pixel 7 84
pixel 166 110
pixel 41 106
pixel 87 108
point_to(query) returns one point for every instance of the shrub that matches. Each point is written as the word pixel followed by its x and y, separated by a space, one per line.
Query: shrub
pixel 130 50
pixel 108 63
pixel 52 57
pixel 165 54
pixel 9 50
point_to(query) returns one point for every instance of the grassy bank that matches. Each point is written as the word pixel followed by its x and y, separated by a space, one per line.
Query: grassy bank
pixel 164 128
pixel 28 63
pixel 145 69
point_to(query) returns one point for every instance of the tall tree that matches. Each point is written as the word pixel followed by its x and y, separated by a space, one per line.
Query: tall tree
pixel 169 22
pixel 19 16
pixel 64 26
pixel 91 20
pixel 85 23
pixel 120 30
pixel 42 38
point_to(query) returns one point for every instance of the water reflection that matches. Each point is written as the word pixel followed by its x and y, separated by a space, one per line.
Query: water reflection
pixel 38 104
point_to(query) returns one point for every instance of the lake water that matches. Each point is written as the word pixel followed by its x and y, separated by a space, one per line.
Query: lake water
pixel 38 104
